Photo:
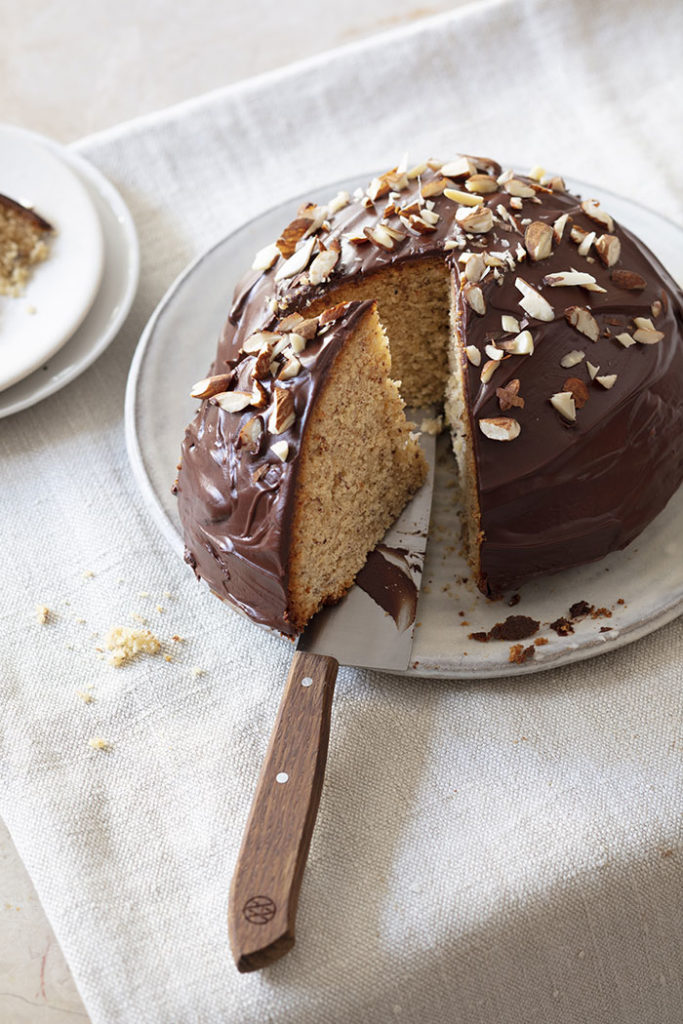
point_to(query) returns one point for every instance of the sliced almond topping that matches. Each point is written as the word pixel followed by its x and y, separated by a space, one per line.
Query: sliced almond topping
pixel 210 386
pixel 644 322
pixel 474 267
pixel 533 302
pixel 608 381
pixel 570 279
pixel 280 345
pixel 647 337
pixel 266 257
pixel 481 184
pixel 256 341
pixel 233 401
pixel 583 320
pixel 538 239
pixel 289 322
pixel 493 352
pixel 478 221
pixel 308 328
pixel 591 207
pixel 473 354
pixel 537 173
pixel 250 434
pixel 516 203
pixel 333 313
pixel 488 370
pixel 315 214
pixel 515 187
pixel 282 415
pixel 458 169
pixel 563 401
pixel 261 367
pixel 508 218
pixel 421 226
pixel 416 171
pixel 577 234
pixel 322 266
pixel 259 395
pixel 500 428
pixel 572 358
pixel 556 183
pixel 290 368
pixel 474 297
pixel 378 187
pixel 295 231
pixel 577 389
pixel 608 248
pixel 559 226
pixel 297 262
pixel 433 188
pixel 509 323
pixel 628 280
pixel 592 370
pixel 429 216
pixel 508 396
pixel 625 339
pixel 341 200
pixel 380 237
pixel 281 449
pixel 586 243
pixel 297 342
pixel 522 345
pixel 464 198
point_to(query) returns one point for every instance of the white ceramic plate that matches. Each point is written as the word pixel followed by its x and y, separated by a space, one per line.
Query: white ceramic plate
pixel 113 299
pixel 61 290
pixel 176 349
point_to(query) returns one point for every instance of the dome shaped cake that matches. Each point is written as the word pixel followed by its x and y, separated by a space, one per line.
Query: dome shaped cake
pixel 553 336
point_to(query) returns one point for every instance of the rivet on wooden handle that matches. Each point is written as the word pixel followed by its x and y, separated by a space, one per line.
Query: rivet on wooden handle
pixel 270 866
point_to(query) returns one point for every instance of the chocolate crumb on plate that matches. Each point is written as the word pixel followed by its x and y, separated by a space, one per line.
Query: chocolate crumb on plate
pixel 562 626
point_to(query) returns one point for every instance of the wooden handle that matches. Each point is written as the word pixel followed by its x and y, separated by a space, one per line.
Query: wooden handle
pixel 265 887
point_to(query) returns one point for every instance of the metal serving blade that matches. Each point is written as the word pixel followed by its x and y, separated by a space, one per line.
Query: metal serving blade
pixel 377 632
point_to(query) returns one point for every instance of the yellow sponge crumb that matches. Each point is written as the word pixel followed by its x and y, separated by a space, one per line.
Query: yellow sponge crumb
pixel 126 643
pixel 42 613
pixel 97 743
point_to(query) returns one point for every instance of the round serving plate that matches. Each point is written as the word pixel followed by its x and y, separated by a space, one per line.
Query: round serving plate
pixel 113 297
pixel 632 592
pixel 61 289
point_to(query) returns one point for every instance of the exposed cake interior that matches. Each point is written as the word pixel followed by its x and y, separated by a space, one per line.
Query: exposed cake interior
pixel 412 299
pixel 358 467
pixel 419 304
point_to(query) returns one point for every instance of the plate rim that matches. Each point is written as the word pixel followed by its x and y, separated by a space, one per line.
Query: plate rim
pixel 588 649
pixel 94 261
pixel 127 240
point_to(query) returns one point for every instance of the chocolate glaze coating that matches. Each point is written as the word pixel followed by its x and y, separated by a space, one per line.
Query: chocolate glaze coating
pixel 559 495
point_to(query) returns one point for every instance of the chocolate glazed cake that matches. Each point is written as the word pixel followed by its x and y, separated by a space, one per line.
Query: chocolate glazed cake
pixel 552 334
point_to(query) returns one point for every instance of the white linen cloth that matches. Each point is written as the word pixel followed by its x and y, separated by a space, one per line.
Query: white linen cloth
pixel 487 853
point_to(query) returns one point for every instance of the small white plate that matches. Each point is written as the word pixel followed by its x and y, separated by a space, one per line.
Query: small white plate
pixel 113 299
pixel 61 290
pixel 647 576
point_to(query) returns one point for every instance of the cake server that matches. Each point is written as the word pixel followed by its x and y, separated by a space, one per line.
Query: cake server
pixel 370 632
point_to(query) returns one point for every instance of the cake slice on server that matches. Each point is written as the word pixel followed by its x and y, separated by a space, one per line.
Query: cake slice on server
pixel 552 334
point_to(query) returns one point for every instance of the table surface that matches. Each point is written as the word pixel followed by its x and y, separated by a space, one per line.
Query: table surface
pixel 157 54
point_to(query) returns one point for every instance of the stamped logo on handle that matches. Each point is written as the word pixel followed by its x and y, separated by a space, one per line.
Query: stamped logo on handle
pixel 259 910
